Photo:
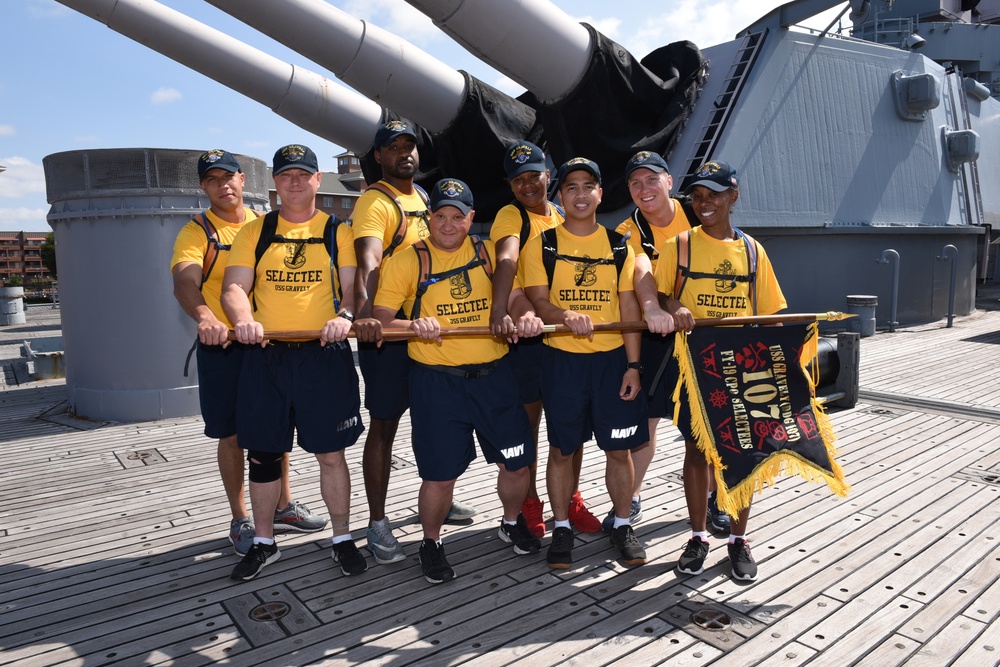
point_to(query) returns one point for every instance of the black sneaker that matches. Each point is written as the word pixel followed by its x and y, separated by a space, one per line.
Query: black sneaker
pixel 258 557
pixel 692 561
pixel 560 556
pixel 519 535
pixel 351 560
pixel 717 519
pixel 744 566
pixel 623 538
pixel 433 562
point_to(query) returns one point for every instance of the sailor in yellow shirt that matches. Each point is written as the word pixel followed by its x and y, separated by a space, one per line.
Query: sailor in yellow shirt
pixel 526 217
pixel 201 252
pixel 728 274
pixel 390 216
pixel 656 218
pixel 458 385
pixel 308 387
pixel 577 275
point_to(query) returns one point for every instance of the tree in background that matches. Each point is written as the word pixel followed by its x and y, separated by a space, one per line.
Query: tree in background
pixel 48 252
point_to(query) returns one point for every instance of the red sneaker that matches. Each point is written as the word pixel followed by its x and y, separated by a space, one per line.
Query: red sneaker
pixel 532 511
pixel 582 518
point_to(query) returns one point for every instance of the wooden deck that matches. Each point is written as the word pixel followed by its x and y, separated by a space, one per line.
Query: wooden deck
pixel 113 549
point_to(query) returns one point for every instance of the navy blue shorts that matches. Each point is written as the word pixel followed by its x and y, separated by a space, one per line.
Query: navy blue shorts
pixel 580 397
pixel 656 348
pixel 526 359
pixel 447 409
pixel 385 369
pixel 309 389
pixel 218 379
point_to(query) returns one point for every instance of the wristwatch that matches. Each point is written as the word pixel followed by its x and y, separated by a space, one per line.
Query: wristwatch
pixel 637 365
pixel 346 314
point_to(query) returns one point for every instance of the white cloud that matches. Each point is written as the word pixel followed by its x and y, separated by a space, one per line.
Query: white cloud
pixel 397 17
pixel 22 218
pixel 165 96
pixel 7 131
pixel 22 177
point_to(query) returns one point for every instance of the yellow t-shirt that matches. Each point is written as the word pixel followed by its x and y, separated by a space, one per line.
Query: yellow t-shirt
pixel 588 288
pixel 661 235
pixel 508 223
pixel 460 301
pixel 377 216
pixel 293 290
pixel 723 297
pixel 192 244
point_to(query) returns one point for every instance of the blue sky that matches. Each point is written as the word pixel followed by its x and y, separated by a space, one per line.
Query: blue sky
pixel 70 83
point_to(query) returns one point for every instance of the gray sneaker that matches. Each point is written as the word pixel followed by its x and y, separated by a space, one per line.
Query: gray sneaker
pixel 635 516
pixel 460 511
pixel 383 545
pixel 241 534
pixel 298 517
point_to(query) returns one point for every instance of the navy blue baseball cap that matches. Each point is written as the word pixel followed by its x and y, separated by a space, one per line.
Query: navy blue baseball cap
pixel 579 164
pixel 523 156
pixel 294 156
pixel 646 160
pixel 388 132
pixel 451 192
pixel 717 176
pixel 216 159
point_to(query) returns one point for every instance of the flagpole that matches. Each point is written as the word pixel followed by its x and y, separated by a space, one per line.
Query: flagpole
pixel 403 334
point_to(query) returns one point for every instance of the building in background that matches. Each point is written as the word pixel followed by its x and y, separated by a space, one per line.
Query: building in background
pixel 21 256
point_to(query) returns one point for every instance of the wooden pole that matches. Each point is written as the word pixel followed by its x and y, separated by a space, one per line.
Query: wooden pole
pixel 403 334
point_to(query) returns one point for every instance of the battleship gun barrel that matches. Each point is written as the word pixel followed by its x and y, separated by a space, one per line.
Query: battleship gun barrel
pixel 534 43
pixel 311 101
pixel 373 61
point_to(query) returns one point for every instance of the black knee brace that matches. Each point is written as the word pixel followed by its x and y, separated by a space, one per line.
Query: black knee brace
pixel 264 466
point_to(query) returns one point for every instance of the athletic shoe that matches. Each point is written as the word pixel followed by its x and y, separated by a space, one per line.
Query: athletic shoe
pixel 560 555
pixel 532 510
pixel 692 561
pixel 717 519
pixel 258 557
pixel 460 511
pixel 744 566
pixel 519 535
pixel 635 516
pixel 241 534
pixel 581 517
pixel 298 517
pixel 382 544
pixel 623 538
pixel 433 562
pixel 351 560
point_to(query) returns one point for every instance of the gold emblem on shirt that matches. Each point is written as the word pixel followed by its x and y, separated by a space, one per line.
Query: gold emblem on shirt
pixel 295 255
pixel 461 288
pixel 584 273
pixel 725 285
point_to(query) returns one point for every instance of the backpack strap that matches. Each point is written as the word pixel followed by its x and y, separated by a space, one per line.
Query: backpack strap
pixel 550 253
pixel 425 278
pixel 400 233
pixel 683 262
pixel 688 208
pixel 645 235
pixel 750 245
pixel 214 247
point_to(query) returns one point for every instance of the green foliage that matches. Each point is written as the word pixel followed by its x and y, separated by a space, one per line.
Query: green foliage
pixel 13 281
pixel 48 252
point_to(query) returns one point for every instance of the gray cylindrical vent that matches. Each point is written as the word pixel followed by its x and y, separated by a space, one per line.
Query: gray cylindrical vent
pixel 115 214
